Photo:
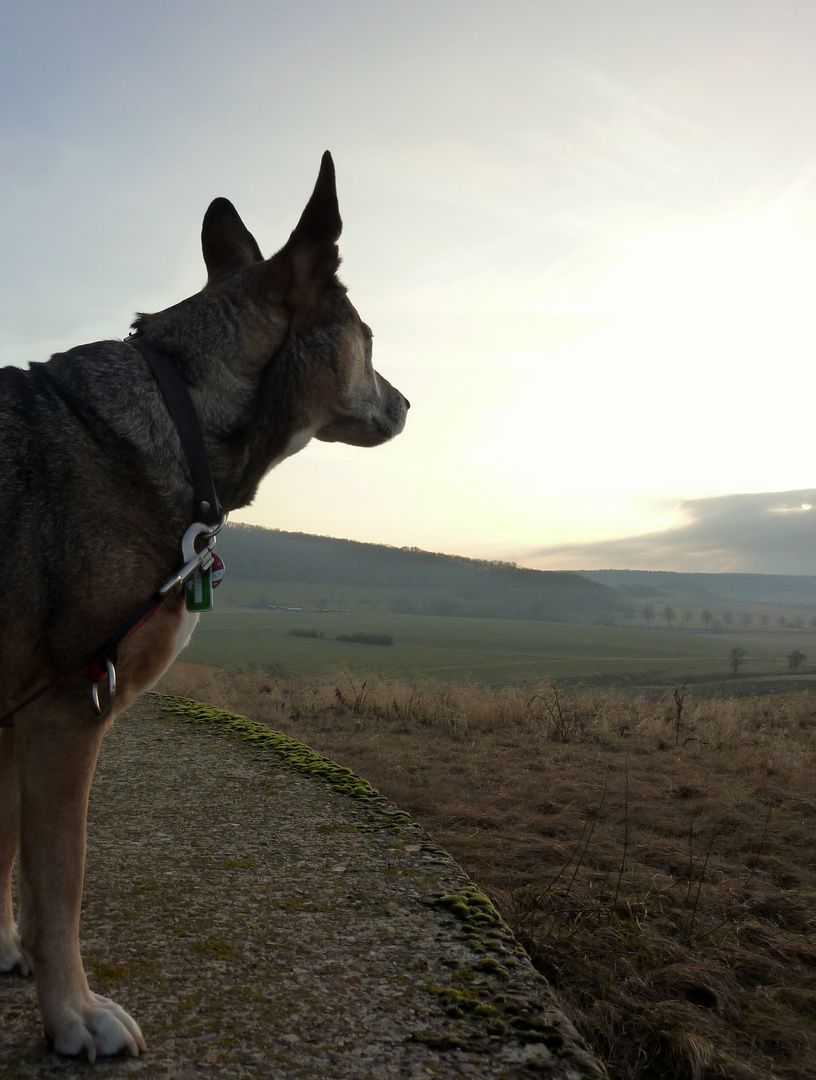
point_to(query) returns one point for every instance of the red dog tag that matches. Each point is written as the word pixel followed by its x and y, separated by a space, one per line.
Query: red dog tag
pixel 217 571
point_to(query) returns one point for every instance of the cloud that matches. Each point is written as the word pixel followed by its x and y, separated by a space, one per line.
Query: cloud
pixel 762 533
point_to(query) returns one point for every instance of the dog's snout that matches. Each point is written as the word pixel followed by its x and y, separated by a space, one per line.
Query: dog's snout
pixel 407 402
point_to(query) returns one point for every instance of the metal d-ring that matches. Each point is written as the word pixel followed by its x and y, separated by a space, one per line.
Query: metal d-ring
pixel 111 680
pixel 217 528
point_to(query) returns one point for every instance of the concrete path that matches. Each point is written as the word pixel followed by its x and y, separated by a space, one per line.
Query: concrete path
pixel 263 914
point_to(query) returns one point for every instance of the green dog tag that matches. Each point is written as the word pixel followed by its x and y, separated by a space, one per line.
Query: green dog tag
pixel 198 590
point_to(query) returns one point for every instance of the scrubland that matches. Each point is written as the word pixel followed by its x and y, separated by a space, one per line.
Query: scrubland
pixel 656 857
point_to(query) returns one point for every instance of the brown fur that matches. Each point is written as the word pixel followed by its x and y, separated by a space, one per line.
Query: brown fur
pixel 95 488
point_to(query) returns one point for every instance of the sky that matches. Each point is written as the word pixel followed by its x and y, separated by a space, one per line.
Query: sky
pixel 583 232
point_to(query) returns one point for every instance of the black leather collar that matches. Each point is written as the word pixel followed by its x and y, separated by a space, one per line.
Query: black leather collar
pixel 206 507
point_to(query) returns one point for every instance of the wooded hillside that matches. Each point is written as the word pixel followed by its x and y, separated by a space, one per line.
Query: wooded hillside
pixel 428 583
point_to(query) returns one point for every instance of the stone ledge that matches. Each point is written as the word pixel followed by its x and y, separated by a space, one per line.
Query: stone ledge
pixel 263 912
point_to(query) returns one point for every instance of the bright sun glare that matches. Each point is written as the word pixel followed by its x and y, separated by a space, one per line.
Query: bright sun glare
pixel 700 331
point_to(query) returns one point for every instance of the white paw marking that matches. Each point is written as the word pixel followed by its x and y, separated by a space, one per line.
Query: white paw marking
pixel 12 957
pixel 97 1027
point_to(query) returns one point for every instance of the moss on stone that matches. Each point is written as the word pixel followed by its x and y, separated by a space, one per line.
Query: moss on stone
pixel 294 753
pixel 489 966
pixel 105 975
pixel 216 948
pixel 471 906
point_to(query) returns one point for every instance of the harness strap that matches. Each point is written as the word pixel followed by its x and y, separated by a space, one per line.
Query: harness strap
pixel 173 385
pixel 95 662
pixel 206 509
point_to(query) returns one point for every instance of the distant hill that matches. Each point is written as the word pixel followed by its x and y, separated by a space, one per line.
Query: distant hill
pixel 414 581
pixel 731 588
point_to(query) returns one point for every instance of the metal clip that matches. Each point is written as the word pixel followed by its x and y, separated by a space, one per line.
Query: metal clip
pixel 111 681
pixel 198 588
pixel 194 560
pixel 200 559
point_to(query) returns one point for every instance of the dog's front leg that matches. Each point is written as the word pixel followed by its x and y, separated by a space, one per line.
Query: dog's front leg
pixel 12 957
pixel 57 756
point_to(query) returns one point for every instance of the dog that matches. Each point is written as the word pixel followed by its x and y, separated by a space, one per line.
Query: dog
pixel 97 493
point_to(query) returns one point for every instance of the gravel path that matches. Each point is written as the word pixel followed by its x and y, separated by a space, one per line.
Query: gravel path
pixel 262 914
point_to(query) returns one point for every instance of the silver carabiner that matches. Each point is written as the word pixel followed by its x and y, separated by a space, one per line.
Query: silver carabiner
pixel 111 681
pixel 194 560
pixel 188 545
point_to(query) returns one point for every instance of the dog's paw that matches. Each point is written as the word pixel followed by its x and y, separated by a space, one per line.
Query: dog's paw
pixel 12 957
pixel 98 1027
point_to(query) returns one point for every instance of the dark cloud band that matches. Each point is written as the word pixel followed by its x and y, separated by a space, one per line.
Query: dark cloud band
pixel 762 533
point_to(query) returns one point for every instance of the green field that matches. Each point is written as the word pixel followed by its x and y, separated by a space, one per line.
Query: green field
pixel 315 594
pixel 490 651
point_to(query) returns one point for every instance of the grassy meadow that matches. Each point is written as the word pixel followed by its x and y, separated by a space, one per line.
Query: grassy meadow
pixel 488 651
pixel 655 854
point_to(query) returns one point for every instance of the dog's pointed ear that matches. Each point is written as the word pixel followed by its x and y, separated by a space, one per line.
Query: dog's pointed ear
pixel 310 255
pixel 226 242
pixel 320 222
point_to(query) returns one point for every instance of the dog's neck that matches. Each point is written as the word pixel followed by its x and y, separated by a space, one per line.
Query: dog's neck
pixel 251 417
pixel 206 506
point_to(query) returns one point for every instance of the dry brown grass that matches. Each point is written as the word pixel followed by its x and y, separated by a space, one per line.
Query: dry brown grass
pixel 659 865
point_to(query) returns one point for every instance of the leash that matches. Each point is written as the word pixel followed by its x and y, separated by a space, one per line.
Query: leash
pixel 201 570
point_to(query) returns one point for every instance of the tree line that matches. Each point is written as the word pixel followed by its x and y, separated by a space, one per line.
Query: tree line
pixel 651 613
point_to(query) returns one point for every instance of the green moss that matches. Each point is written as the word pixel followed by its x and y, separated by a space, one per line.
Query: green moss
pixel 294 753
pixel 458 1003
pixel 216 948
pixel 298 903
pixel 502 1014
pixel 489 966
pixel 471 906
pixel 144 889
pixel 105 975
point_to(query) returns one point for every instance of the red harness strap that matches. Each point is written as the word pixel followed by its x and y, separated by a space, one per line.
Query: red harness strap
pixel 96 663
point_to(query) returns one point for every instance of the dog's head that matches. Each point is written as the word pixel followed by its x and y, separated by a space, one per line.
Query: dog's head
pixel 342 397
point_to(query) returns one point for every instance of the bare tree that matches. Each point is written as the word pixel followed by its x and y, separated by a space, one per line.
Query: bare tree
pixel 687 616
pixel 706 618
pixel 669 615
pixel 679 697
pixel 735 658
pixel 795 660
pixel 647 613
pixel 746 619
